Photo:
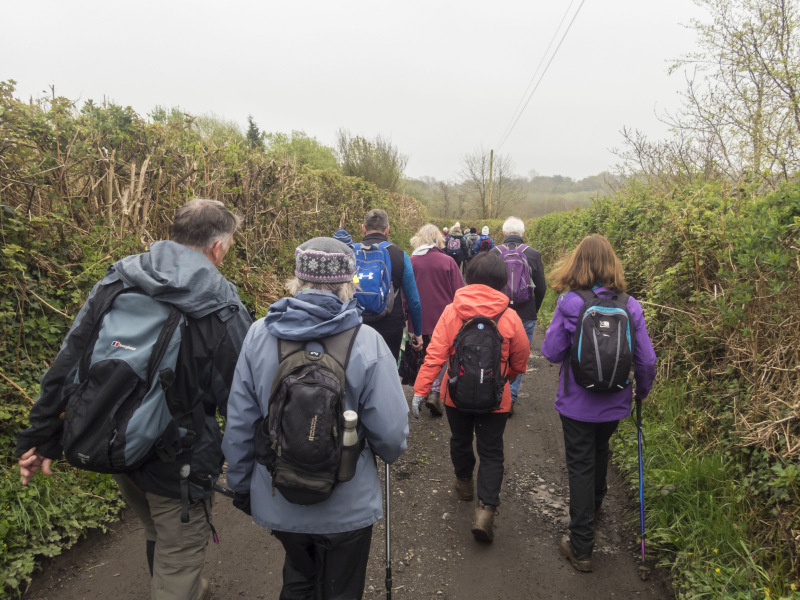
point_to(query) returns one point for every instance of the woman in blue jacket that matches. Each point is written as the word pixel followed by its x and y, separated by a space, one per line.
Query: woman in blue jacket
pixel 327 544
pixel 590 418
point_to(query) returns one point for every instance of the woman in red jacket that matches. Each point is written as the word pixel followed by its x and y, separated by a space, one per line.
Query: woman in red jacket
pixel 486 276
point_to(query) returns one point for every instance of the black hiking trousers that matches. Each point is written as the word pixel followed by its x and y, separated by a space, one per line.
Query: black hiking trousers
pixel 587 451
pixel 325 566
pixel 488 430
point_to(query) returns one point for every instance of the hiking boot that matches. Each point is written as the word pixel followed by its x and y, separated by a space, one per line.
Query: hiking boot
pixel 465 489
pixel 483 523
pixel 434 404
pixel 205 589
pixel 581 562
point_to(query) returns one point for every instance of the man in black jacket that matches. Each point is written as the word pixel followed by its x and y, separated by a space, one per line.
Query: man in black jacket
pixel 513 231
pixel 164 491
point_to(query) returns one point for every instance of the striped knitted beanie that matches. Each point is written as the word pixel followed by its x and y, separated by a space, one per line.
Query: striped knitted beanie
pixel 324 260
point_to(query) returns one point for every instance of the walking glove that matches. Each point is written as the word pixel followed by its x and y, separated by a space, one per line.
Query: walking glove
pixel 415 406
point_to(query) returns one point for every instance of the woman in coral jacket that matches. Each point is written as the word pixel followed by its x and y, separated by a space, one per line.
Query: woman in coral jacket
pixel 486 276
pixel 590 418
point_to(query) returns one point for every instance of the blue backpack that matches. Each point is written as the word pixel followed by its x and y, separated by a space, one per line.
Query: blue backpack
pixel 374 272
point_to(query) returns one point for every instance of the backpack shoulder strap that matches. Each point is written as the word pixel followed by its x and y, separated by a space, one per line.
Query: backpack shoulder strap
pixel 105 299
pixel 288 347
pixel 357 246
pixel 585 294
pixel 340 345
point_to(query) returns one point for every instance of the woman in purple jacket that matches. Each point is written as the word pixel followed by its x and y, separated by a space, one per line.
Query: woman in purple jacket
pixel 438 277
pixel 589 418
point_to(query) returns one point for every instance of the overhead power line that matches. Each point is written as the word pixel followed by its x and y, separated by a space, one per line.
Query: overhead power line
pixel 518 111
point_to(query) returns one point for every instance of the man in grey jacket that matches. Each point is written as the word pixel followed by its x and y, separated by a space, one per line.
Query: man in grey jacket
pixel 327 543
pixel 183 273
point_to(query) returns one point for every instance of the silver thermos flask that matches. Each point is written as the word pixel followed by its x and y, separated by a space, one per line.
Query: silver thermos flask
pixel 350 447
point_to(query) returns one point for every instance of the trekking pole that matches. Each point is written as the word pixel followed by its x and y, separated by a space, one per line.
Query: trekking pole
pixel 224 491
pixel 388 538
pixel 644 571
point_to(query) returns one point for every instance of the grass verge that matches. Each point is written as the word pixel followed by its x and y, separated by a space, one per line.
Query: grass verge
pixel 699 511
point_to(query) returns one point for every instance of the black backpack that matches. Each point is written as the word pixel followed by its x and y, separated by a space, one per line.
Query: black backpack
pixel 476 380
pixel 122 408
pixel 602 349
pixel 300 440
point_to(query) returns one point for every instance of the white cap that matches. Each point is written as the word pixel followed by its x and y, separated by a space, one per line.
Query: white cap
pixel 485 230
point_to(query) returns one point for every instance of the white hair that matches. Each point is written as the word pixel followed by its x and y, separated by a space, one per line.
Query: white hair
pixel 344 291
pixel 514 226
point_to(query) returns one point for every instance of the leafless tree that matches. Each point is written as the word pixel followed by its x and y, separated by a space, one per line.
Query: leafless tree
pixel 475 181
pixel 741 112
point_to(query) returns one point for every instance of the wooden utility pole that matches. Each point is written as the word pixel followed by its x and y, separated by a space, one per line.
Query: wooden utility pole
pixel 489 201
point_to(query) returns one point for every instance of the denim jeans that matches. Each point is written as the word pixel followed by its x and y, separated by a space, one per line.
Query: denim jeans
pixel 529 325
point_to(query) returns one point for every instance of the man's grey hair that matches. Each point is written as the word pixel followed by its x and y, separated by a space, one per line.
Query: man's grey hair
pixel 428 235
pixel 514 226
pixel 376 220
pixel 344 291
pixel 201 223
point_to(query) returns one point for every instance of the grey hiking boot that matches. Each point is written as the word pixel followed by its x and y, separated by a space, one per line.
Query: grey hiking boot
pixel 465 488
pixel 434 404
pixel 483 522
pixel 581 562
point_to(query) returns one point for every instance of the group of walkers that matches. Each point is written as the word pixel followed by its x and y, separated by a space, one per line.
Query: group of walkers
pixel 311 391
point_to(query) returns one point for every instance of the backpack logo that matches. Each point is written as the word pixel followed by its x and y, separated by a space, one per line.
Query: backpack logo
pixel 481 325
pixel 604 324
pixel 116 344
pixel 313 429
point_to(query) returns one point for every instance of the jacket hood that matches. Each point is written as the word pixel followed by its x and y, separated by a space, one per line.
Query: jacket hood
pixel 479 300
pixel 178 275
pixel 311 315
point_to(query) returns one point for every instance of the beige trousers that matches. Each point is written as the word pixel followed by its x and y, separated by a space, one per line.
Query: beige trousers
pixel 180 547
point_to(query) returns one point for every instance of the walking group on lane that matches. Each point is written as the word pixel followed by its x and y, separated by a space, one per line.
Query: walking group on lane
pixel 311 392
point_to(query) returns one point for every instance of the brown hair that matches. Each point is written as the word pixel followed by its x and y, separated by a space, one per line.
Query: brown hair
pixel 592 262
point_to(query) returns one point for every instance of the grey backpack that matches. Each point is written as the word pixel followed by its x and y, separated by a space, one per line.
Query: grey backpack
pixel 117 413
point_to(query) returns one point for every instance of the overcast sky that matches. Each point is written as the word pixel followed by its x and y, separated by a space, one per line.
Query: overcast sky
pixel 439 79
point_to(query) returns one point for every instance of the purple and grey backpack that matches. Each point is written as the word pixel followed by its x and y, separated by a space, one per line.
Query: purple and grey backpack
pixel 519 288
